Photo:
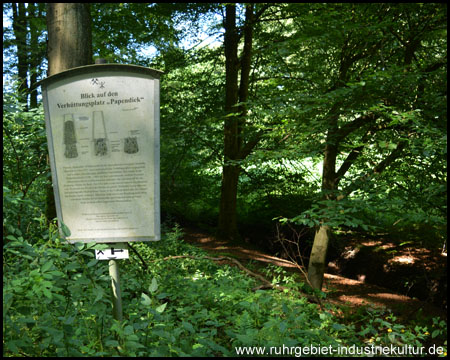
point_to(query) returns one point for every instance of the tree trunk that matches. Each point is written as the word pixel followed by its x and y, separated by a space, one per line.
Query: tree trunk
pixel 230 174
pixel 36 54
pixel 69 36
pixel 234 148
pixel 20 25
pixel 34 63
pixel 228 203
pixel 317 259
pixel 69 45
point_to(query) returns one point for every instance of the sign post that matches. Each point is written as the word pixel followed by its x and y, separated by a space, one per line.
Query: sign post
pixel 115 285
pixel 113 254
pixel 102 124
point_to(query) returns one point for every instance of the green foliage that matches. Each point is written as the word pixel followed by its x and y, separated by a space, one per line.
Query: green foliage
pixel 344 71
pixel 25 171
pixel 178 307
pixel 70 290
pixel 190 173
pixel 336 214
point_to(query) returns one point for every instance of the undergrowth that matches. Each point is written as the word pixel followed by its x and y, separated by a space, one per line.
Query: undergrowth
pixel 56 302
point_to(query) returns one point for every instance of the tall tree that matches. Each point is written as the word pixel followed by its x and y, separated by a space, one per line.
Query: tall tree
pixel 37 47
pixel 69 36
pixel 27 44
pixel 20 22
pixel 370 108
pixel 236 147
pixel 349 81
pixel 69 45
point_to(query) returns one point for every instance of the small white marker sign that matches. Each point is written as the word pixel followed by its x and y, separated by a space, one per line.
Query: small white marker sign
pixel 112 253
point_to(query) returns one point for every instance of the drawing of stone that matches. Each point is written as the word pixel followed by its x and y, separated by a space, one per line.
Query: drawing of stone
pixel 131 145
pixel 70 139
pixel 99 134
pixel 100 147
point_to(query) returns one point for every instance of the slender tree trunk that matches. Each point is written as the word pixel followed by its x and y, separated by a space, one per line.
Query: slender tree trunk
pixel 330 178
pixel 20 25
pixel 36 55
pixel 69 45
pixel 228 202
pixel 317 259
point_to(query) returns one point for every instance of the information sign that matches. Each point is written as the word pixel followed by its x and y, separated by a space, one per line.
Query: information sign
pixel 102 126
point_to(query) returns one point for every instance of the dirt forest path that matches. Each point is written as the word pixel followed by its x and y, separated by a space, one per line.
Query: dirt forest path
pixel 339 290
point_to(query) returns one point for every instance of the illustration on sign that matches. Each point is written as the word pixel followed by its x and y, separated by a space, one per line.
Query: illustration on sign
pixel 99 134
pixel 69 137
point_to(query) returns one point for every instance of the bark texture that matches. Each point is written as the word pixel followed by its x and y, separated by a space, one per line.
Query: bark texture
pixel 69 36
pixel 69 45
pixel 236 92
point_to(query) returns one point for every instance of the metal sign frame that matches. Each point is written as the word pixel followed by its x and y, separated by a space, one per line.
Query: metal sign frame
pixel 122 93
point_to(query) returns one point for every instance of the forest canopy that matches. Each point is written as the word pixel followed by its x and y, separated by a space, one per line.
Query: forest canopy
pixel 342 101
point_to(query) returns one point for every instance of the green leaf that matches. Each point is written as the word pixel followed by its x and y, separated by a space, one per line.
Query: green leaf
pixel 435 333
pixel 79 246
pixel 47 266
pixel 68 320
pixel 153 286
pixel 128 330
pixel 112 343
pixel 161 308
pixel 92 262
pixel 101 246
pixel 245 339
pixel 364 332
pixel 98 292
pixel 338 327
pixel 188 326
pixel 145 300
pixel 65 230
pixel 47 293
pixel 392 146
pixel 283 326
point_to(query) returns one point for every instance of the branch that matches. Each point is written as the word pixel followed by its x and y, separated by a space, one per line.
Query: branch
pixel 348 128
pixel 435 66
pixel 266 283
pixel 285 77
pixel 377 170
pixel 139 256
pixel 250 145
pixel 348 162
pixel 259 13
pixel 302 267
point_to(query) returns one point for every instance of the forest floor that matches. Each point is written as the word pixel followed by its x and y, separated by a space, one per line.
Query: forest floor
pixel 357 292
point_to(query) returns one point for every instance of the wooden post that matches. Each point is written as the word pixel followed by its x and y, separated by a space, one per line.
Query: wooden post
pixel 115 286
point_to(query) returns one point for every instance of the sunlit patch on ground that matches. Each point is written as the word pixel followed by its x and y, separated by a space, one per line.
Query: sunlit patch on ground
pixel 403 259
